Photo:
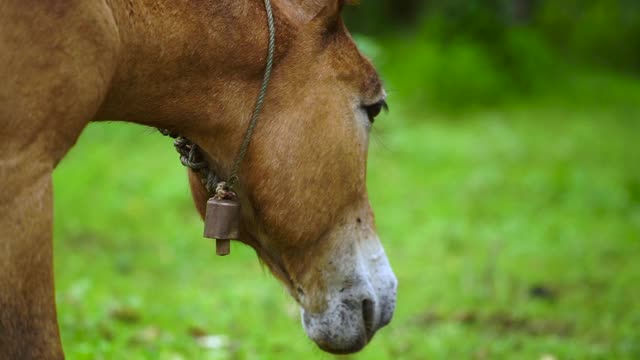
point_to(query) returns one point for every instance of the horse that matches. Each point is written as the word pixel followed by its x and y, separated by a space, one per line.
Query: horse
pixel 195 67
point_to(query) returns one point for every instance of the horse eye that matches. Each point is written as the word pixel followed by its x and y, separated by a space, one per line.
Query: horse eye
pixel 375 109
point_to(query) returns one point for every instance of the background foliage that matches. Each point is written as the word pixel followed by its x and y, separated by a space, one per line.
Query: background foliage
pixel 505 181
pixel 486 52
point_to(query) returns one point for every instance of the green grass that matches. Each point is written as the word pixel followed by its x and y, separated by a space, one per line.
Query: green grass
pixel 514 233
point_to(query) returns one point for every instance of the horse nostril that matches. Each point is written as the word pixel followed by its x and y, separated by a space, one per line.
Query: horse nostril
pixel 368 316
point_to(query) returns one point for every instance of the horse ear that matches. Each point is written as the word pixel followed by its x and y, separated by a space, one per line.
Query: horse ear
pixel 315 11
pixel 329 13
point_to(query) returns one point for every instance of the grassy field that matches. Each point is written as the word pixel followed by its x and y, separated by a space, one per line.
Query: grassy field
pixel 515 234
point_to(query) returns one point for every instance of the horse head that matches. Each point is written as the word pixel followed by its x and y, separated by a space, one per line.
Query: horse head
pixel 302 189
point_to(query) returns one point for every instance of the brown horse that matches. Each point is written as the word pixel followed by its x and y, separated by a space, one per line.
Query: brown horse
pixel 195 67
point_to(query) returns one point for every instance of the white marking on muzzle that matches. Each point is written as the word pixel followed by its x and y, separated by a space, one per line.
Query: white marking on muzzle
pixel 360 295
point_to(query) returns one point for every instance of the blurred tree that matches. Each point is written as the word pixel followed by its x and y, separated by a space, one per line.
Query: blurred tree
pixel 407 12
pixel 382 16
pixel 522 11
pixel 605 32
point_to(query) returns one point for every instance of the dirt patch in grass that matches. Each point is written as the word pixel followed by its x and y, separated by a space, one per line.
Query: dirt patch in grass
pixel 499 321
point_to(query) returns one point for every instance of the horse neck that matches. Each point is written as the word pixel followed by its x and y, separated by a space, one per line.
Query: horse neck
pixel 178 57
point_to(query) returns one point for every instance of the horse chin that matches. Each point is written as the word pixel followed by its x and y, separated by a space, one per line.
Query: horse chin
pixel 338 330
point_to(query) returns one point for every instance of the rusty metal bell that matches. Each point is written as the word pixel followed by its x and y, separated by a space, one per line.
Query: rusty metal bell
pixel 222 222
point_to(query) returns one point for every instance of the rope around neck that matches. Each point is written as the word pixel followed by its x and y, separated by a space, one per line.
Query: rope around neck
pixel 191 155
pixel 233 178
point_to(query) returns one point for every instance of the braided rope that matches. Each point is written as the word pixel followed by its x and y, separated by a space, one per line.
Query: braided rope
pixel 191 155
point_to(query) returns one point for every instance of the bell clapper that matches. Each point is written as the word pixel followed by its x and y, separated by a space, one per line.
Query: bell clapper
pixel 223 247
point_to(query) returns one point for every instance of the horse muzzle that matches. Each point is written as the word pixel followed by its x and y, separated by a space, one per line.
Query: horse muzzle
pixel 360 300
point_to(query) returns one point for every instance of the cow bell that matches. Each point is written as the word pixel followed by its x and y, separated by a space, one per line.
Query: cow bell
pixel 221 222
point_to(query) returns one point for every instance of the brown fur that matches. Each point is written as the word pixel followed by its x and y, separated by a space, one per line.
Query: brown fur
pixel 193 67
